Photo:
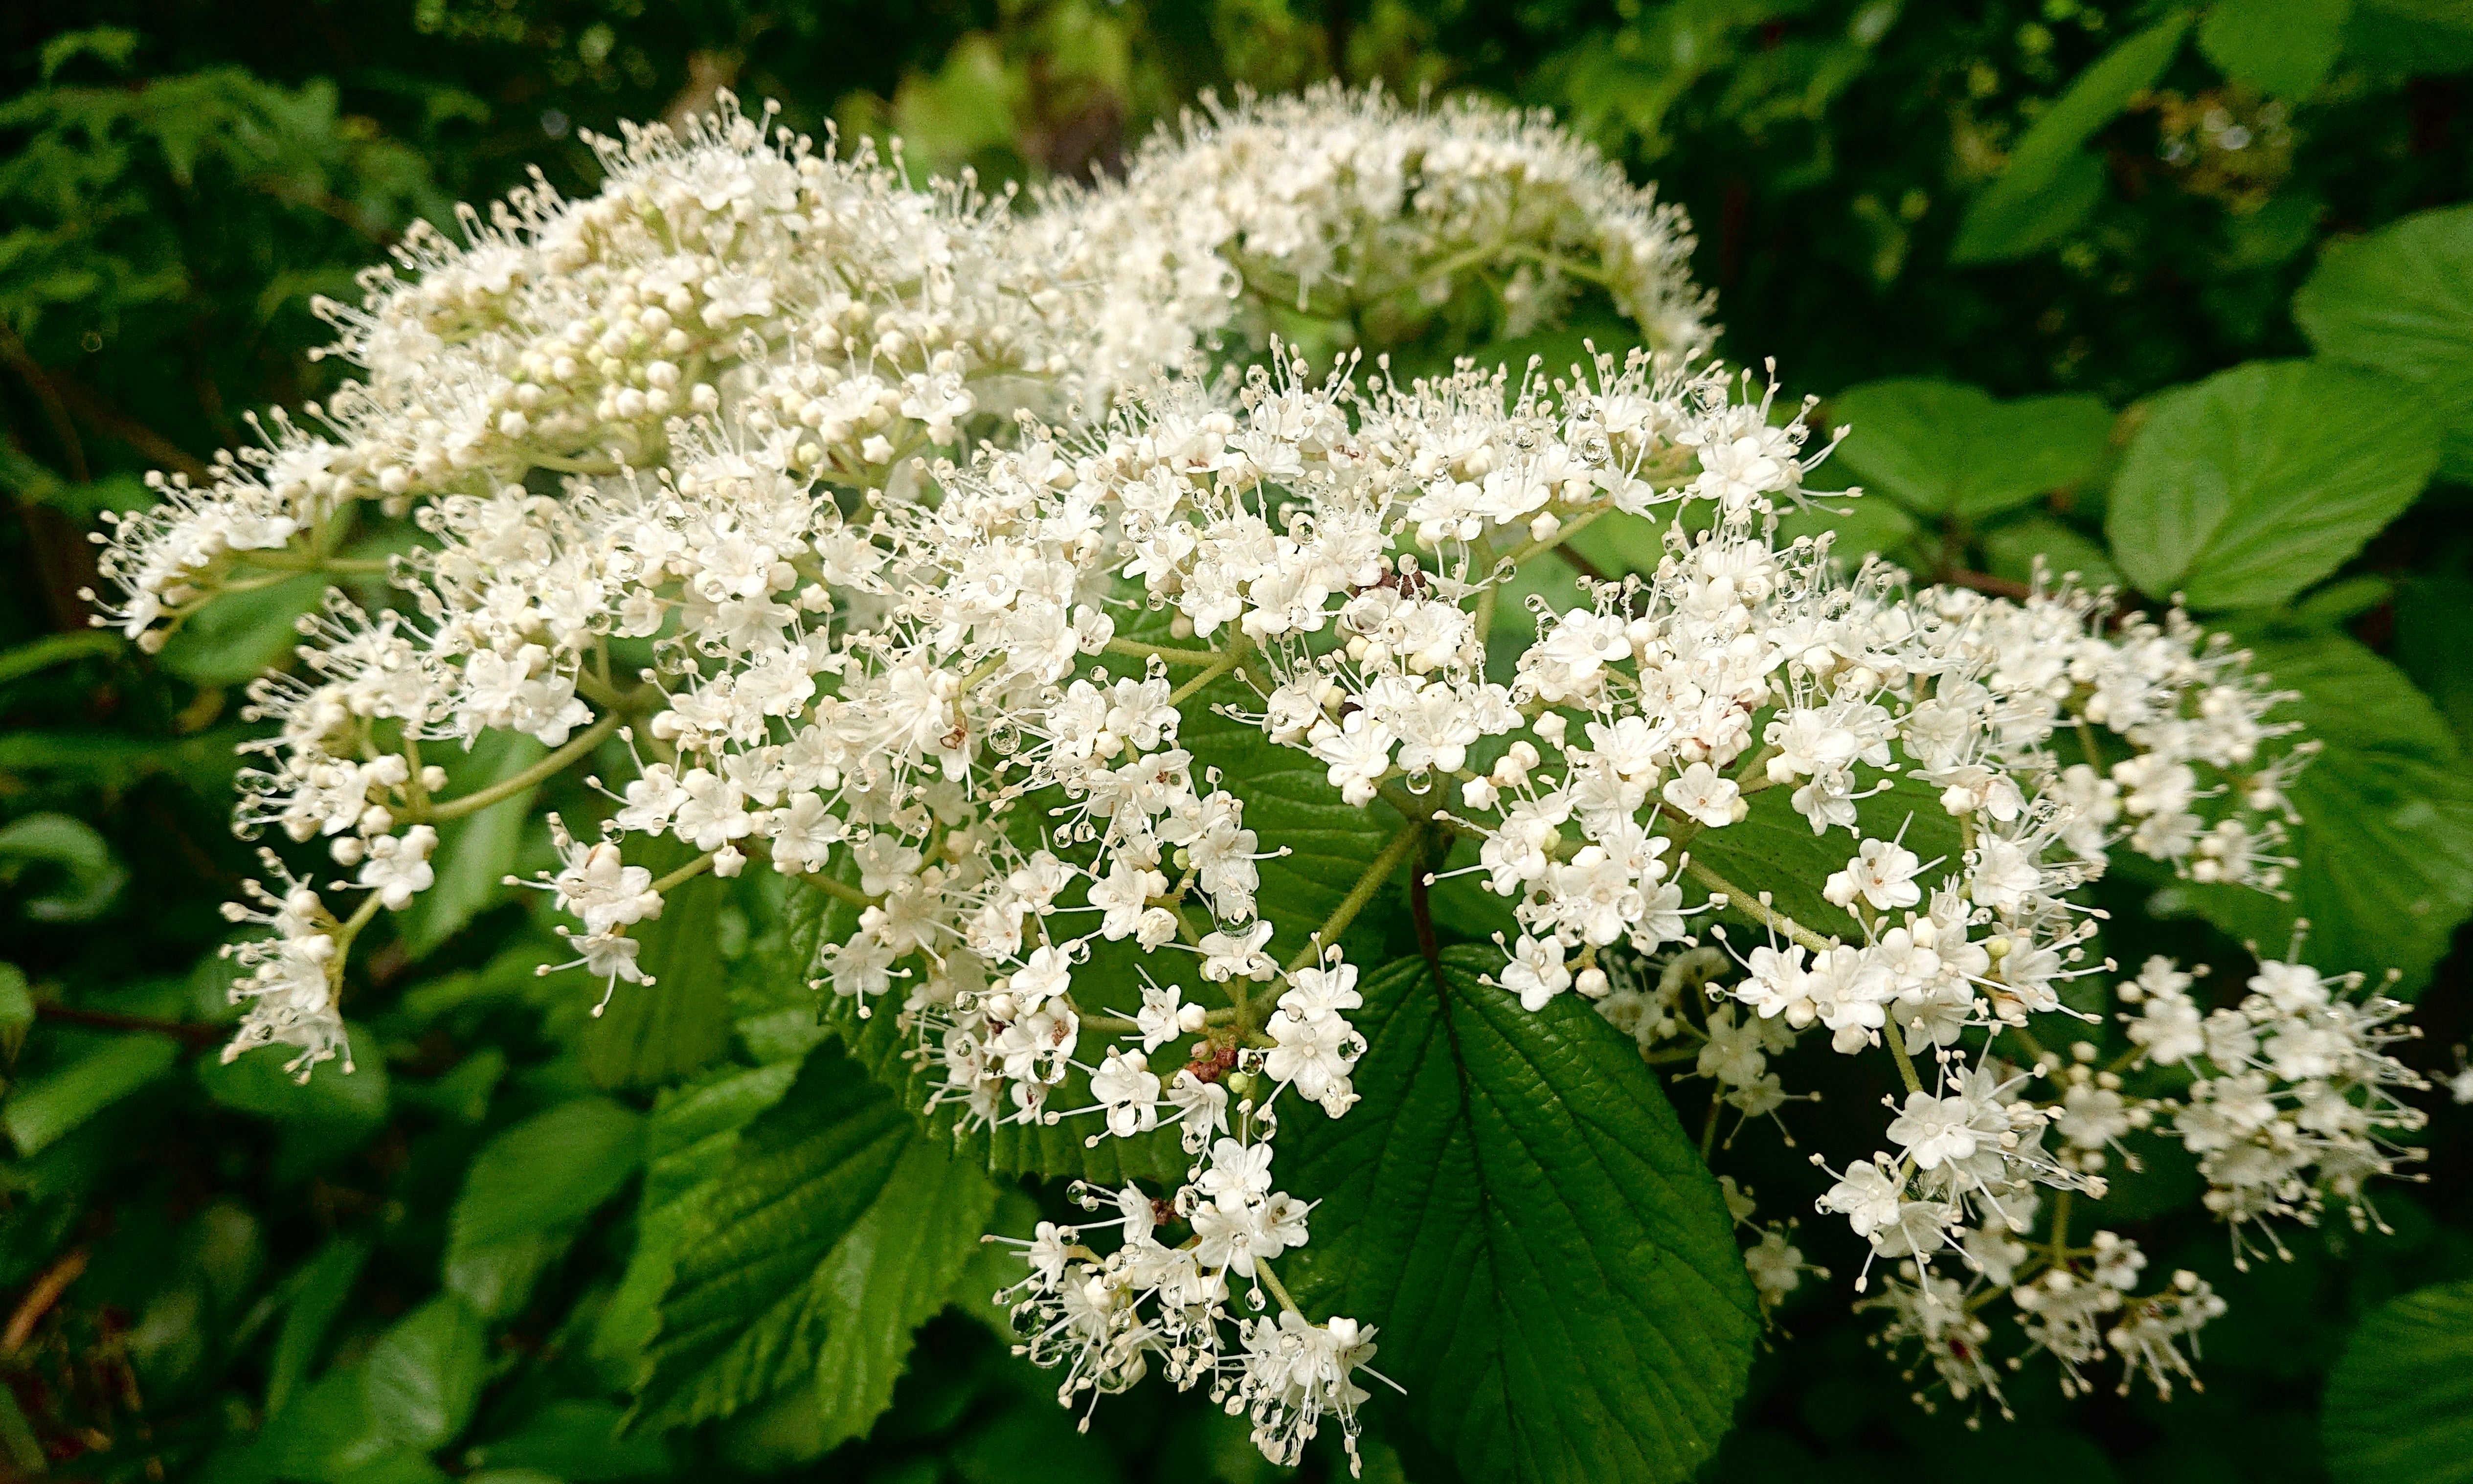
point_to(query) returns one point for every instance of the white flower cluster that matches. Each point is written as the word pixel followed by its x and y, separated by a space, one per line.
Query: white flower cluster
pixel 1351 206
pixel 2288 1098
pixel 665 451
pixel 2291 1100
pixel 1102 1319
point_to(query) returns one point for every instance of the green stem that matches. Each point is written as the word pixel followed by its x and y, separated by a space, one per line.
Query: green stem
pixel 350 929
pixel 413 790
pixel 1906 1063
pixel 841 888
pixel 1271 1280
pixel 1201 677
pixel 1204 657
pixel 686 874
pixel 341 566
pixel 1521 553
pixel 581 746
pixel 1759 911
pixel 1362 892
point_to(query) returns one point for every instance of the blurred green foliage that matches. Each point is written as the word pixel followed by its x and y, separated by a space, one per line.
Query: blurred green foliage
pixel 2044 254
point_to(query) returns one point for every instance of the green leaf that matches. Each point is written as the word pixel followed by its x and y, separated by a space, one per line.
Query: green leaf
pixel 397 1467
pixel 687 1140
pixel 1773 847
pixel 2010 550
pixel 1865 527
pixel 893 1271
pixel 474 853
pixel 18 1444
pixel 240 636
pixel 16 1009
pixel 1517 1207
pixel 352 1102
pixel 2010 221
pixel 2400 1402
pixel 548 1172
pixel 2400 301
pixel 2385 847
pixel 331 1430
pixel 497 1278
pixel 2250 486
pixel 2049 187
pixel 2396 39
pixel 577 1441
pixel 756 1283
pixel 53 649
pixel 2284 47
pixel 659 1032
pixel 424 1373
pixel 68 859
pixel 2342 600
pixel 2434 643
pixel 39 1112
pixel 1942 448
pixel 318 1294
pixel 1033 1441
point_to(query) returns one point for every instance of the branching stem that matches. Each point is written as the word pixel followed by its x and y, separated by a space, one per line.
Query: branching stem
pixel 1362 892
pixel 581 746
pixel 1197 657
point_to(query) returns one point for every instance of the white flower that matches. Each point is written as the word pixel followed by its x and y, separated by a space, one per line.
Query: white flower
pixel 1702 793
pixel 1881 873
pixel 1239 1171
pixel 1536 971
pixel 1129 1090
pixel 1201 1107
pixel 1237 955
pixel 398 867
pixel 1868 1199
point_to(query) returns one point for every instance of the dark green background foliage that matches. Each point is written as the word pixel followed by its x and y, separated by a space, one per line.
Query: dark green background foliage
pixel 2177 298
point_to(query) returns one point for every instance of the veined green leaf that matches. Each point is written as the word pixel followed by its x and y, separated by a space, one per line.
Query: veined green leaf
pixel 762 1271
pixel 687 1140
pixel 893 1272
pixel 2246 488
pixel 2385 847
pixel 2400 301
pixel 2400 1402
pixel 1943 448
pixel 1517 1207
